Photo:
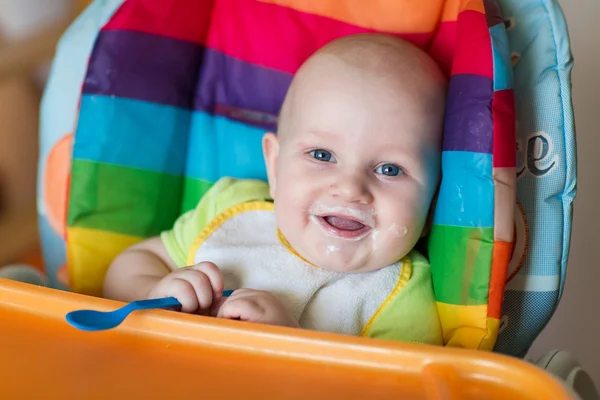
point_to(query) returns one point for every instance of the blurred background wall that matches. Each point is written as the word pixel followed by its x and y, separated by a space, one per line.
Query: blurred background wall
pixel 29 31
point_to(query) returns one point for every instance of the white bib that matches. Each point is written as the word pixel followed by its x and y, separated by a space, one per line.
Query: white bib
pixel 244 243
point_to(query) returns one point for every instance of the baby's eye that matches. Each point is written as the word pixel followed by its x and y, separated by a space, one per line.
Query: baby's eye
pixel 389 170
pixel 322 155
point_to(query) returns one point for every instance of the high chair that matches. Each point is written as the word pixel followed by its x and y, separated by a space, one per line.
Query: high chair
pixel 149 103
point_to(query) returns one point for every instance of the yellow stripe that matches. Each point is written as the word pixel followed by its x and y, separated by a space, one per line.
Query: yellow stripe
pixel 489 341
pixel 220 219
pixel 89 254
pixel 464 326
pixel 403 279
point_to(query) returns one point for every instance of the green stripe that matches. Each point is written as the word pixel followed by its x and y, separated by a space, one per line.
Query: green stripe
pixel 123 200
pixel 193 190
pixel 461 263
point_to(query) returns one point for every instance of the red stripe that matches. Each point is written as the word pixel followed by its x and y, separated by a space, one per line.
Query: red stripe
pixel 185 20
pixel 473 46
pixel 278 37
pixel 503 114
pixel 500 260
pixel 443 45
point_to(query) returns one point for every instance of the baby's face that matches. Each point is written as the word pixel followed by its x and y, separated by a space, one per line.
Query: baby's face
pixel 356 170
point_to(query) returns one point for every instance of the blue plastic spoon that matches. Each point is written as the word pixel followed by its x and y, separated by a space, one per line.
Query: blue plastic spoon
pixel 90 320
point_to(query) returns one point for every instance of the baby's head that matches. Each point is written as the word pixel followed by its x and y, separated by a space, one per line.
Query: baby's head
pixel 356 161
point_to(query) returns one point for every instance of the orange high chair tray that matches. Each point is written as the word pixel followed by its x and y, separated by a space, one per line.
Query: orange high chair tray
pixel 164 354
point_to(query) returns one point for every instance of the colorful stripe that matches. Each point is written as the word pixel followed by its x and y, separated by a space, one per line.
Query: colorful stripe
pixel 500 261
pixel 460 263
pixel 89 253
pixel 451 10
pixel 467 327
pixel 443 45
pixel 220 147
pixel 186 20
pixel 505 138
pixel 472 5
pixel 388 16
pixel 493 13
pixel 505 193
pixel 479 121
pixel 503 78
pixel 154 144
pixel 465 324
pixel 144 67
pixel 504 173
pixel 468 125
pixel 489 340
pixel 466 195
pixel 253 31
pixel 193 189
pixel 473 46
pixel 236 84
pixel 123 200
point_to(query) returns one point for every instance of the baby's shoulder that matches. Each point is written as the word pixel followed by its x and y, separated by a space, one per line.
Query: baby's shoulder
pixel 234 190
pixel 412 302
pixel 419 265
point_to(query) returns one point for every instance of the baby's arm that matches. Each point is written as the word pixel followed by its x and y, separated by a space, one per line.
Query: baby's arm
pixel 146 270
pixel 136 271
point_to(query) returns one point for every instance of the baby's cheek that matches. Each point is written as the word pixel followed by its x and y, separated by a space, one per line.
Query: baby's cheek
pixel 399 237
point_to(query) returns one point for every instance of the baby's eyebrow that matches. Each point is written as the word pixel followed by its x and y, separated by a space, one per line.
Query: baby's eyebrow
pixel 322 133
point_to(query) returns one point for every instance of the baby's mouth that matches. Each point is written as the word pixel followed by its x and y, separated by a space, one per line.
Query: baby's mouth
pixel 344 227
pixel 343 223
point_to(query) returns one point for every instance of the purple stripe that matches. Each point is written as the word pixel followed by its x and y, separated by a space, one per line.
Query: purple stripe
pixel 239 90
pixel 469 125
pixel 144 67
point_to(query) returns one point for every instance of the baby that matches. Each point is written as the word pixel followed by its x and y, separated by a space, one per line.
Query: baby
pixel 328 243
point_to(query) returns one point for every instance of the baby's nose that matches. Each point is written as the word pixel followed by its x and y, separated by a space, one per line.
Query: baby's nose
pixel 353 189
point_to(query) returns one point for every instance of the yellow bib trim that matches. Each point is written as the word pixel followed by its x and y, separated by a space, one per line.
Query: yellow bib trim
pixel 288 246
pixel 221 218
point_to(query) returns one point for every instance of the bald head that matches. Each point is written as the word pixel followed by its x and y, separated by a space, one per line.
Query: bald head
pixel 378 54
pixel 377 58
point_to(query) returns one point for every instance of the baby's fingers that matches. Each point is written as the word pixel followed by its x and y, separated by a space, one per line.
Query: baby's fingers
pixel 214 275
pixel 244 309
pixel 201 285
pixel 184 292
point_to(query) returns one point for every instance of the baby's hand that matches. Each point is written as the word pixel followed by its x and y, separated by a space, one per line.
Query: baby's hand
pixel 195 287
pixel 256 306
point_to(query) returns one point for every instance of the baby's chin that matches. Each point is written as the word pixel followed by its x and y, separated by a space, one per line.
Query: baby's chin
pixel 349 269
pixel 334 259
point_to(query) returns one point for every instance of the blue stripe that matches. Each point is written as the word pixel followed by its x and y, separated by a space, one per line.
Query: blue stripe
pixel 221 147
pixel 503 76
pixel 466 196
pixel 132 133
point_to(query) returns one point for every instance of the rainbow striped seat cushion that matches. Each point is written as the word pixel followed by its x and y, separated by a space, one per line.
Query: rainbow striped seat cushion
pixel 178 93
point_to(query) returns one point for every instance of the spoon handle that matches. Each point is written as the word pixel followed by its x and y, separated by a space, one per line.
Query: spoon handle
pixel 164 302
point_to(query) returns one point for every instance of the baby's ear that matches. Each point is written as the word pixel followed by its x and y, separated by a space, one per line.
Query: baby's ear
pixel 270 145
